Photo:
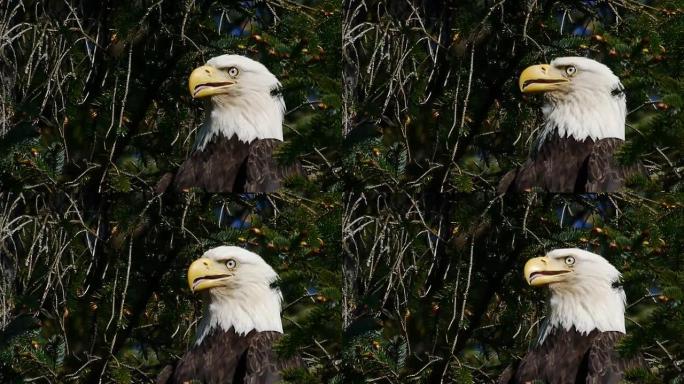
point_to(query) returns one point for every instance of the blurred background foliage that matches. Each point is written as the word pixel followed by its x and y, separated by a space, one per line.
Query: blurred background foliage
pixel 433 118
pixel 94 109
pixel 434 289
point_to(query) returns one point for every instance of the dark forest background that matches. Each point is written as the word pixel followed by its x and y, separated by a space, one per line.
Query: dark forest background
pixel 433 289
pixel 94 109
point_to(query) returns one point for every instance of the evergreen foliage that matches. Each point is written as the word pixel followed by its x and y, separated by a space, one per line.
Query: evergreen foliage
pixel 95 109
pixel 433 257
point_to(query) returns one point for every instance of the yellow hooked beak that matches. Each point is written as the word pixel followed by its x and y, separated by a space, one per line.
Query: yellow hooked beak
pixel 542 271
pixel 208 81
pixel 541 78
pixel 206 273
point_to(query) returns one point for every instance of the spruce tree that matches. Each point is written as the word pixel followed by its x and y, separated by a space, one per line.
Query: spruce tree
pixel 433 287
pixel 95 109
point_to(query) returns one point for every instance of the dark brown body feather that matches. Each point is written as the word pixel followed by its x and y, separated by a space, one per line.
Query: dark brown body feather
pixel 568 357
pixel 225 357
pixel 231 165
pixel 566 165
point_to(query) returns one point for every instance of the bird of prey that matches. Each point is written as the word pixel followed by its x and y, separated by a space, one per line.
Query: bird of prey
pixel 586 319
pixel 240 324
pixel 584 113
pixel 233 150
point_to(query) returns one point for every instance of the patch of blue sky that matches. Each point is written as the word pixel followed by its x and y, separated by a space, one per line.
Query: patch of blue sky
pixel 582 30
pixel 311 291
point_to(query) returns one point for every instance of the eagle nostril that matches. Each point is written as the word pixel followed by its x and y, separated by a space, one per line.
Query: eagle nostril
pixel 207 71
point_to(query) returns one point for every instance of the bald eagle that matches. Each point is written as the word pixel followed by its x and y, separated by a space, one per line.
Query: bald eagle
pixel 584 113
pixel 233 150
pixel 240 324
pixel 586 319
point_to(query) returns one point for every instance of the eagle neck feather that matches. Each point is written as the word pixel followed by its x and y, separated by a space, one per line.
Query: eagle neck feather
pixel 249 116
pixel 585 114
pixel 254 307
pixel 586 307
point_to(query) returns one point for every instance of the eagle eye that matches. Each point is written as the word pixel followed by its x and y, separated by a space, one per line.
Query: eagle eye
pixel 233 72
pixel 569 260
pixel 570 70
pixel 231 264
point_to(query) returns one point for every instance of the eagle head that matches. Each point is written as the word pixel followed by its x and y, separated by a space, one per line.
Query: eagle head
pixel 583 98
pixel 244 99
pixel 238 291
pixel 584 291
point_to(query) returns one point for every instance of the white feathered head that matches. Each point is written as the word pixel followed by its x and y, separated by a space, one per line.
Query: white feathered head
pixel 238 291
pixel 245 100
pixel 584 291
pixel 584 99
